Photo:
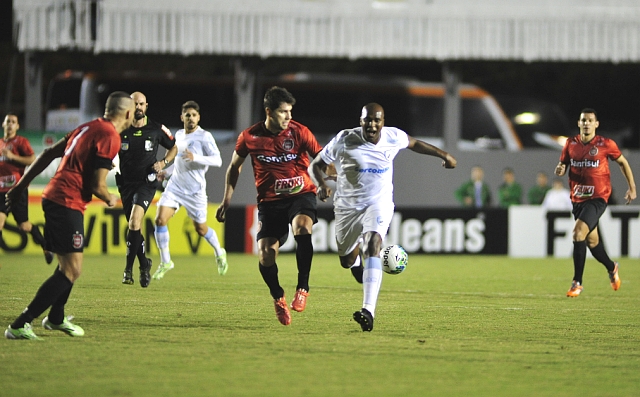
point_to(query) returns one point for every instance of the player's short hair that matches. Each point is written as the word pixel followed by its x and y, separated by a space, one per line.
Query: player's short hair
pixel 117 102
pixel 590 110
pixel 190 105
pixel 276 95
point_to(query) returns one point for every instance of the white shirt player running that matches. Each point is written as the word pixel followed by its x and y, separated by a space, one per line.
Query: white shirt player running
pixel 365 170
pixel 188 177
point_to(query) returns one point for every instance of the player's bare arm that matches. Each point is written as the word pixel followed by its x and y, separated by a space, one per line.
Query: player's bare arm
pixel 448 161
pixel 231 179
pixel 169 156
pixel 628 174
pixel 317 169
pixel 99 187
pixel 561 169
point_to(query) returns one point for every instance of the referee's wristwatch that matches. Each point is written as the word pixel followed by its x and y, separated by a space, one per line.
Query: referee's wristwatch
pixel 165 161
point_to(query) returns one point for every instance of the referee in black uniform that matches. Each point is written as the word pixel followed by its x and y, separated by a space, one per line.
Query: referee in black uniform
pixel 137 181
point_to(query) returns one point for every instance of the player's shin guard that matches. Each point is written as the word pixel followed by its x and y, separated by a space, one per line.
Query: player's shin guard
pixel 47 295
pixel 304 257
pixel 579 257
pixel 372 279
pixel 133 245
pixel 270 277
pixel 162 240
pixel 601 256
pixel 212 239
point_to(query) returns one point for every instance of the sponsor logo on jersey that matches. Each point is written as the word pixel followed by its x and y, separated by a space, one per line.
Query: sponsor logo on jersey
pixel 138 133
pixel 281 158
pixel 289 185
pixel 124 146
pixel 373 170
pixel 583 191
pixel 585 163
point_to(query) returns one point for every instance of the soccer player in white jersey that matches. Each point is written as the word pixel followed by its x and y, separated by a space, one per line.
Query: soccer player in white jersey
pixel 187 187
pixel 363 201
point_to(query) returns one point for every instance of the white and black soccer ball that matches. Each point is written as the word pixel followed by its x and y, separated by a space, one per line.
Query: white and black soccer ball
pixel 394 259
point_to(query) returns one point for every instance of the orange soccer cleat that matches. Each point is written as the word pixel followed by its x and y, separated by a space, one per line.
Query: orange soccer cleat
pixel 575 289
pixel 299 300
pixel 614 278
pixel 282 311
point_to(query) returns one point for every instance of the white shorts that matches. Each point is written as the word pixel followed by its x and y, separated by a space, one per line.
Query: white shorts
pixel 352 224
pixel 196 204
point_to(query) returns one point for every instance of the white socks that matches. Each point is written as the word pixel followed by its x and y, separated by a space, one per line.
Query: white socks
pixel 162 240
pixel 371 281
pixel 212 239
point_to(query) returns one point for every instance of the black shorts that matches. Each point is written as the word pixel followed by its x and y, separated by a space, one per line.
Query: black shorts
pixel 275 216
pixel 63 228
pixel 140 193
pixel 20 210
pixel 589 211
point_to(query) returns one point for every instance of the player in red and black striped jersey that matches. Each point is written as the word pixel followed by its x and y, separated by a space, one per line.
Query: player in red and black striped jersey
pixel 586 157
pixel 87 154
pixel 16 154
pixel 279 148
pixel 138 182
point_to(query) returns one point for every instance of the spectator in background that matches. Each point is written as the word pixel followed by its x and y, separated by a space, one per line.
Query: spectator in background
pixel 474 193
pixel 539 190
pixel 510 192
pixel 558 198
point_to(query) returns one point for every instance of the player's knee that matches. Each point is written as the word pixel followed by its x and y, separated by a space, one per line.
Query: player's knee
pixel 25 227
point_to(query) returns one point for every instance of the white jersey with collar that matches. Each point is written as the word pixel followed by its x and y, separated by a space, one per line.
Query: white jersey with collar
pixel 188 177
pixel 365 170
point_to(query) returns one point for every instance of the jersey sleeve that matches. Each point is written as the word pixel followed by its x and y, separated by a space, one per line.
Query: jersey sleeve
pixel 311 143
pixel 564 155
pixel 210 152
pixel 329 153
pixel 25 148
pixel 108 145
pixel 401 137
pixel 613 152
pixel 166 139
pixel 241 146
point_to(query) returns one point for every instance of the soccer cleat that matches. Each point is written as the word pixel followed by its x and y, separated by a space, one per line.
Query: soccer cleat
pixel 25 332
pixel 221 260
pixel 145 276
pixel 365 319
pixel 299 300
pixel 614 278
pixel 127 278
pixel 282 311
pixel 162 270
pixel 67 326
pixel 575 289
pixel 48 256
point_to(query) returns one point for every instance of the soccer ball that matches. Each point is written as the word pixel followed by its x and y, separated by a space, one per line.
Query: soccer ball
pixel 394 259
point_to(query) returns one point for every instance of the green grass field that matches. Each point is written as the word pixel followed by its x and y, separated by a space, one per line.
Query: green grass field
pixel 448 326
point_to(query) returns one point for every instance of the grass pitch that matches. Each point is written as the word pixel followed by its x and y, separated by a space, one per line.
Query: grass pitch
pixel 447 326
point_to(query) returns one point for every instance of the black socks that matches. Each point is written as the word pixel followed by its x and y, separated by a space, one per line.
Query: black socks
pixel 304 256
pixel 270 277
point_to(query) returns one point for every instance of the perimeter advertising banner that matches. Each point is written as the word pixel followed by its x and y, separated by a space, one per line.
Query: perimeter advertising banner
pixel 106 228
pixel 437 231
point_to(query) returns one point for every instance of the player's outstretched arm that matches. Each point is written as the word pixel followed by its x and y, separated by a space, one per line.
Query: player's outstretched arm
pixel 448 161
pixel 628 174
pixel 42 161
pixel 317 169
pixel 231 179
